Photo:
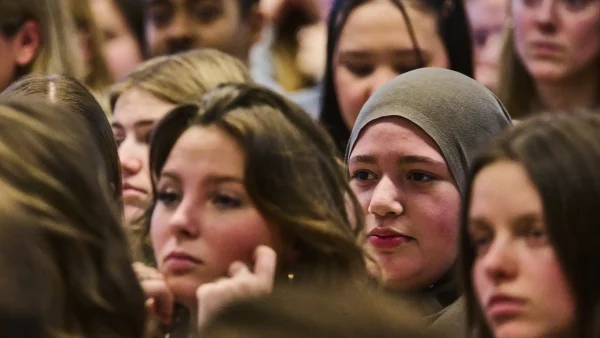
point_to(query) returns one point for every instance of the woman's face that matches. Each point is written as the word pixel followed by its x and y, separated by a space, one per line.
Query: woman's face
pixel 411 203
pixel 518 280
pixel 487 19
pixel 204 218
pixel 375 47
pixel 557 39
pixel 121 49
pixel 135 114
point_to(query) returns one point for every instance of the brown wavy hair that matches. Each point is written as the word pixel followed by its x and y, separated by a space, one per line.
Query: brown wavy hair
pixel 293 175
pixel 76 252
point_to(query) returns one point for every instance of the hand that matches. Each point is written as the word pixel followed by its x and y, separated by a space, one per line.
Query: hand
pixel 159 299
pixel 241 284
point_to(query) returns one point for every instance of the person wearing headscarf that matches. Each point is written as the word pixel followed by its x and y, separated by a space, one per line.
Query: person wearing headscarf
pixel 409 156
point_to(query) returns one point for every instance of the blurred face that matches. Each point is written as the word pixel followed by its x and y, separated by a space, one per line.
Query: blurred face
pixel 135 114
pixel 121 49
pixel 204 219
pixel 177 25
pixel 517 278
pixel 487 20
pixel 375 47
pixel 557 39
pixel 411 201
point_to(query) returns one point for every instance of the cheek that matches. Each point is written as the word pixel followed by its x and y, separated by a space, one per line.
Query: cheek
pixel 159 233
pixel 549 284
pixel 480 282
pixel 351 94
pixel 235 237
pixel 362 195
pixel 583 35
pixel 436 215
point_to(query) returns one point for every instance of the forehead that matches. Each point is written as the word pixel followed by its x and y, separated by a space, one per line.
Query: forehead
pixel 394 136
pixel 379 25
pixel 180 3
pixel 206 150
pixel 137 104
pixel 503 189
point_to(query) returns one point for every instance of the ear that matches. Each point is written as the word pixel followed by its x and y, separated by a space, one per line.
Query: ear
pixel 26 43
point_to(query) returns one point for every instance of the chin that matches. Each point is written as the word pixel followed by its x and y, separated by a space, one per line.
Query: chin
pixel 519 329
pixel 547 71
pixel 184 289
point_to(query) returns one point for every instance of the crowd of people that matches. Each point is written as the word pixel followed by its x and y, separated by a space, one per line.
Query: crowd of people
pixel 299 168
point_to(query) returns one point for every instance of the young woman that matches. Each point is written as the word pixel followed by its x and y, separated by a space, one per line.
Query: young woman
pixel 121 23
pixel 550 56
pixel 65 259
pixel 408 157
pixel 372 42
pixel 37 36
pixel 145 96
pixel 248 195
pixel 529 240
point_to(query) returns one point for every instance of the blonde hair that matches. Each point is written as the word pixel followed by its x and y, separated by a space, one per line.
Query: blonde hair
pixel 182 78
pixel 97 75
pixel 57 36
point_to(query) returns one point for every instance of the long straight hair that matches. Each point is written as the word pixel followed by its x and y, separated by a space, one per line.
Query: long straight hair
pixel 453 28
pixel 561 155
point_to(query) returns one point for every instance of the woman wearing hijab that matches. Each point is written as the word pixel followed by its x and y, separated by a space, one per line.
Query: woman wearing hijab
pixel 409 155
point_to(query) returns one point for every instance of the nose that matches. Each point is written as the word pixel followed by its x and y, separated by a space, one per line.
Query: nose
pixel 180 33
pixel 131 164
pixel 545 14
pixel 183 221
pixel 500 263
pixel 382 76
pixel 385 200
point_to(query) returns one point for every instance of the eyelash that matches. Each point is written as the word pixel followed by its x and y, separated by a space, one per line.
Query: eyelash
pixel 168 198
pixel 411 176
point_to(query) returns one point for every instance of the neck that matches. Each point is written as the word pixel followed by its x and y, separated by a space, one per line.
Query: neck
pixel 575 92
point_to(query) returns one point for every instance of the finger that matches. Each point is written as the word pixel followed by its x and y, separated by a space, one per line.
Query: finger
pixel 162 298
pixel 265 263
pixel 238 268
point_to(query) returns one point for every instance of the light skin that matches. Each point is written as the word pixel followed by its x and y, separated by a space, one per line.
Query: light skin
pixel 18 51
pixel 177 25
pixel 404 186
pixel 487 19
pixel 558 43
pixel 135 114
pixel 204 211
pixel 374 47
pixel 516 275
pixel 121 50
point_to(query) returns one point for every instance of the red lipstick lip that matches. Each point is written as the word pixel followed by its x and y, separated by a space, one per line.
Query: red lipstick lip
pixel 387 239
pixel 386 232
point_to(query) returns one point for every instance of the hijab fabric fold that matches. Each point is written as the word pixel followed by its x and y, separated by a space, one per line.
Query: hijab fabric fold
pixel 459 114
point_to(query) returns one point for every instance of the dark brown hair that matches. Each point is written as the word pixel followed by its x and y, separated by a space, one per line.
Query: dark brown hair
pixel 292 174
pixel 561 155
pixel 76 252
pixel 75 98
